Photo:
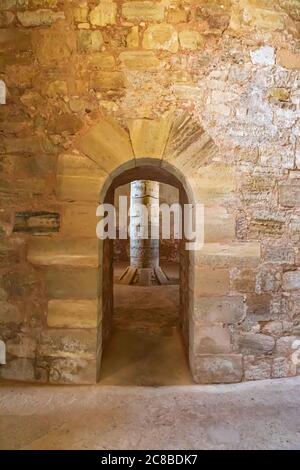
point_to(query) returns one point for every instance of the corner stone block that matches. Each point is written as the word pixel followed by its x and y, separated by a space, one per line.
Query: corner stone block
pixel 108 144
pixel 78 178
pixel 18 369
pixel 69 343
pixel 63 282
pixel 149 137
pixel 219 225
pixel 214 369
pixel 210 281
pixel 209 339
pixel 79 220
pixel 215 181
pixel 226 309
pixel 72 313
pixel 226 255
pixel 72 371
pixel 63 251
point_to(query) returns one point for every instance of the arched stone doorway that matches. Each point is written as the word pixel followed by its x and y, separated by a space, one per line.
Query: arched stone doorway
pixel 145 169
pixel 176 146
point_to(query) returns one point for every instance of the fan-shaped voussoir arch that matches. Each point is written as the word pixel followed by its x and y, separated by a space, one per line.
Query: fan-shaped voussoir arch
pixel 177 140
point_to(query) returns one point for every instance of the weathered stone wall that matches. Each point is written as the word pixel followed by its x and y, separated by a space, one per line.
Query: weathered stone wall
pixel 233 66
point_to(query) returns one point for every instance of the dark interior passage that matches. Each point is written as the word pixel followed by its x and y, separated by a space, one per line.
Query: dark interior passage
pixel 145 346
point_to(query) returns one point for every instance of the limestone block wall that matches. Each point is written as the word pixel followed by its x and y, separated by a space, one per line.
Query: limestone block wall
pixel 207 90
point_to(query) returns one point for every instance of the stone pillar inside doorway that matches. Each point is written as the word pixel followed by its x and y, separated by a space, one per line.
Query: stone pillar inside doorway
pixel 144 266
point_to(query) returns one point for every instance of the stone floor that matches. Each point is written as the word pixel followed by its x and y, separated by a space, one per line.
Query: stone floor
pixel 124 412
pixel 253 415
pixel 146 346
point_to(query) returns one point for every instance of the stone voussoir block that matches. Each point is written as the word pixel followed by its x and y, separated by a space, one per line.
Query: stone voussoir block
pixel 108 153
pixel 149 136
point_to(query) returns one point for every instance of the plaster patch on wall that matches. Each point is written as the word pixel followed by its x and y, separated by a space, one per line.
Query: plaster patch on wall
pixel 263 56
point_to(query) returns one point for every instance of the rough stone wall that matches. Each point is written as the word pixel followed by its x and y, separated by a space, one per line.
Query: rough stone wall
pixel 234 67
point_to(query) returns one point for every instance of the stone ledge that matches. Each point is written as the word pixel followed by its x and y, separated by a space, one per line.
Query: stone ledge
pixel 63 251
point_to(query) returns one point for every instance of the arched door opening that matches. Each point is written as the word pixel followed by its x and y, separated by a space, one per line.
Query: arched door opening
pixel 145 321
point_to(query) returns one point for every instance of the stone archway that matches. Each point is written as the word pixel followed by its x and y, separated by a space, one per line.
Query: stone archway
pixel 177 146
pixel 144 169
